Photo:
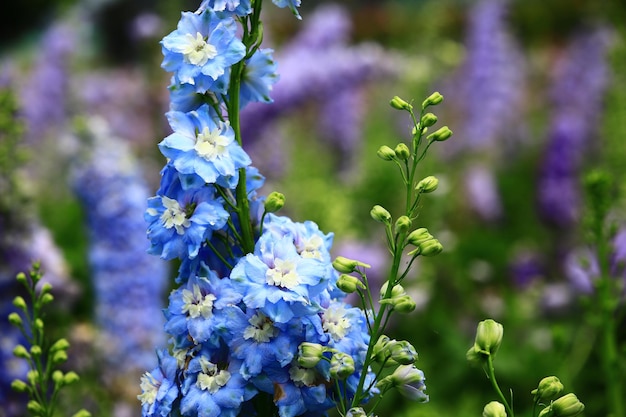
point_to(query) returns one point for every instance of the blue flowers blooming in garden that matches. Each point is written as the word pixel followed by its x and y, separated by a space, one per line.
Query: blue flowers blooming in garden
pixel 257 290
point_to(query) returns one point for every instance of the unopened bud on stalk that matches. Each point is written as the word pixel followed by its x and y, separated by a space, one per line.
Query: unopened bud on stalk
pixel 349 284
pixel 410 382
pixel 46 288
pixel 401 352
pixel 380 214
pixel 57 377
pixel 428 120
pixel 494 409
pixel 341 365
pixel 70 378
pixel 346 265
pixel 432 100
pixel 20 303
pixel 488 337
pixel 19 386
pixel 20 351
pixel 61 344
pixel 380 352
pixel 403 304
pixel 59 356
pixel 82 413
pixel 430 247
pixel 15 319
pixel 309 354
pixel 386 153
pixel 35 350
pixel 47 298
pixel 274 202
pixel 567 406
pixel 396 291
pixel 548 388
pixel 427 185
pixel 356 412
pixel 21 278
pixel 400 104
pixel 402 151
pixel 403 224
pixel 417 236
pixel 441 134
pixel 34 407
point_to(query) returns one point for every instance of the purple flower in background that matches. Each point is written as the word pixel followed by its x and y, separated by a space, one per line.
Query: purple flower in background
pixel 128 282
pixel 578 85
pixel 44 94
pixel 482 192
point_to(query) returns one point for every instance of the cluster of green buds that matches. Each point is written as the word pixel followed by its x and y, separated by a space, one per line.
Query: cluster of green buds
pixel 546 394
pixel 310 354
pixel 43 381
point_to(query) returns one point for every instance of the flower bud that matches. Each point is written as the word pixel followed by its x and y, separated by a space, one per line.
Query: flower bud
pixel 403 304
pixel 20 303
pixel 19 386
pixel 57 377
pixel 417 236
pixel 70 378
pixel 549 387
pixel 488 337
pixel 38 324
pixel 494 409
pixel 47 298
pixel 15 319
pixel 410 382
pixel 21 278
pixel 432 100
pixel 82 413
pixel 430 247
pixel 32 376
pixel 567 406
pixel 380 214
pixel 309 354
pixel 399 104
pixel 441 134
pixel 346 265
pixel 46 288
pixel 20 351
pixel 356 412
pixel 428 120
pixel 402 151
pixel 35 350
pixel 341 365
pixel 61 344
pixel 379 351
pixel 274 202
pixel 396 291
pixel 475 357
pixel 386 153
pixel 427 185
pixel 403 224
pixel 349 284
pixel 34 407
pixel 401 352
pixel 59 356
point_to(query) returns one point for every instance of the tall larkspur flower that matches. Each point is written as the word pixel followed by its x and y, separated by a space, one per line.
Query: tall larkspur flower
pixel 159 388
pixel 238 7
pixel 202 48
pixel 259 75
pixel 204 147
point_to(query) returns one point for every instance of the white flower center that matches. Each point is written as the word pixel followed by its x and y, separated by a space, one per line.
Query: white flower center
pixel 302 376
pixel 211 378
pixel 149 389
pixel 283 274
pixel 174 215
pixel 335 323
pixel 261 329
pixel 211 144
pixel 198 51
pixel 310 248
pixel 196 305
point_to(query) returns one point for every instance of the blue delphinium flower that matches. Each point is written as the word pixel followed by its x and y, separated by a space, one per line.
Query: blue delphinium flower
pixel 259 75
pixel 202 146
pixel 127 281
pixel 159 388
pixel 579 84
pixel 202 48
pixel 238 7
pixel 292 4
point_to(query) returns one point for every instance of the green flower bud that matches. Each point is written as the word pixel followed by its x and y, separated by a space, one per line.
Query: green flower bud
pixel 410 382
pixel 488 337
pixel 432 100
pixel 70 378
pixel 427 185
pixel 15 319
pixel 417 236
pixel 341 365
pixel 32 376
pixel 549 387
pixel 441 134
pixel 403 224
pixel 35 350
pixel 274 202
pixel 403 304
pixel 34 407
pixel 57 377
pixel 82 413
pixel 430 247
pixel 349 284
pixel 402 151
pixel 59 357
pixel 399 104
pixel 386 153
pixel 546 412
pixel 309 354
pixel 47 298
pixel 356 412
pixel 19 386
pixel 346 265
pixel 20 351
pixel 475 357
pixel 46 288
pixel 379 351
pixel 494 409
pixel 401 352
pixel 21 278
pixel 380 214
pixel 61 344
pixel 428 120
pixel 38 324
pixel 567 406
pixel 20 303
pixel 396 291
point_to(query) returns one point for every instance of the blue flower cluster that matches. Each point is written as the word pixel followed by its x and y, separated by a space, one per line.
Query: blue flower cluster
pixel 241 312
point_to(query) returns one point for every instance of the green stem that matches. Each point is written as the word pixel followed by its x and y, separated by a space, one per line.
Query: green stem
pixel 491 374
